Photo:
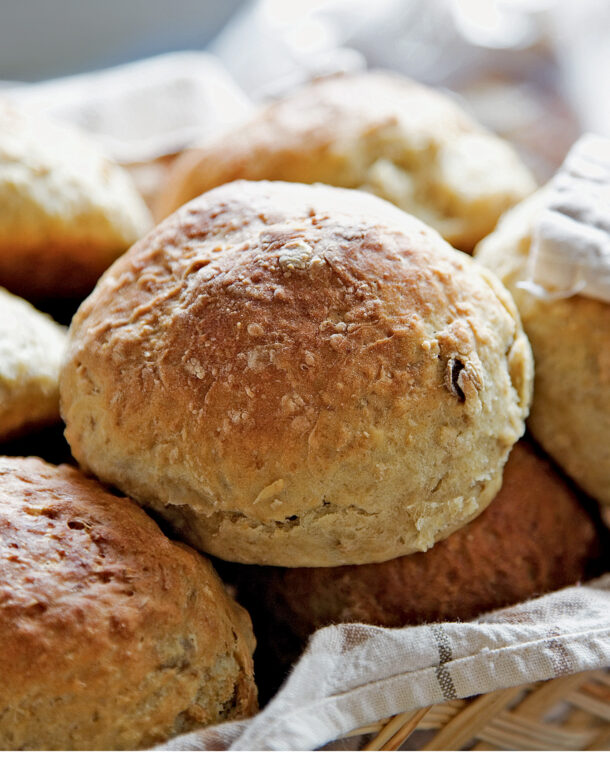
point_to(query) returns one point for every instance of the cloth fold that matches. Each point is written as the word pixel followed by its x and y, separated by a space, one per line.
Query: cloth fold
pixel 352 675
pixel 146 109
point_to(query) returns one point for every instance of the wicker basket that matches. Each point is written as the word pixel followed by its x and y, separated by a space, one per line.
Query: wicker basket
pixel 568 713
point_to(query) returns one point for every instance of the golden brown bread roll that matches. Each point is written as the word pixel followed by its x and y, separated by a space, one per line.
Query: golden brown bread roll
pixel 375 131
pixel 298 375
pixel 111 635
pixel 66 211
pixel 535 536
pixel 570 339
pixel 31 349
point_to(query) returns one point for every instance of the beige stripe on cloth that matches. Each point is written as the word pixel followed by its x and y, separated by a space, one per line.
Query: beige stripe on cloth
pixel 353 675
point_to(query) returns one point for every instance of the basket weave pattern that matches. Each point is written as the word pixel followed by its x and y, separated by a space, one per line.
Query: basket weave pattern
pixel 567 713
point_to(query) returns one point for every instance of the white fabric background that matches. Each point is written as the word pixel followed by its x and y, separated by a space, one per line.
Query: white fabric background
pixel 526 48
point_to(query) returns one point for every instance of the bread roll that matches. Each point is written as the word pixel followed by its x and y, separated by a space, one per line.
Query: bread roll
pixel 66 211
pixel 298 375
pixel 570 339
pixel 31 349
pixel 111 635
pixel 375 131
pixel 535 536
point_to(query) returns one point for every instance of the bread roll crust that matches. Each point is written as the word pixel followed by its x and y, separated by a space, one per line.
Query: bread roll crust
pixel 31 350
pixel 570 340
pixel 298 375
pixel 111 635
pixel 535 536
pixel 66 211
pixel 375 131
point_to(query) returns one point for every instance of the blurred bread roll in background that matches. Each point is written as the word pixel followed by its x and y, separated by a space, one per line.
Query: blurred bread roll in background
pixel 111 636
pixel 570 338
pixel 298 375
pixel 66 211
pixel 374 131
pixel 31 350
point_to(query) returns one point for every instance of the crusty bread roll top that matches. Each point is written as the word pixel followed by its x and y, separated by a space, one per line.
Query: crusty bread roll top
pixel 111 635
pixel 298 375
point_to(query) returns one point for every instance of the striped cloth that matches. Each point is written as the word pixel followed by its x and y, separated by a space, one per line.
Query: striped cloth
pixel 353 675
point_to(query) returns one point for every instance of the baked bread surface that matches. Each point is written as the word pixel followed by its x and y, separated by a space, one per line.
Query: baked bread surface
pixel 376 131
pixel 31 350
pixel 298 375
pixel 570 340
pixel 66 211
pixel 111 635
pixel 535 536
